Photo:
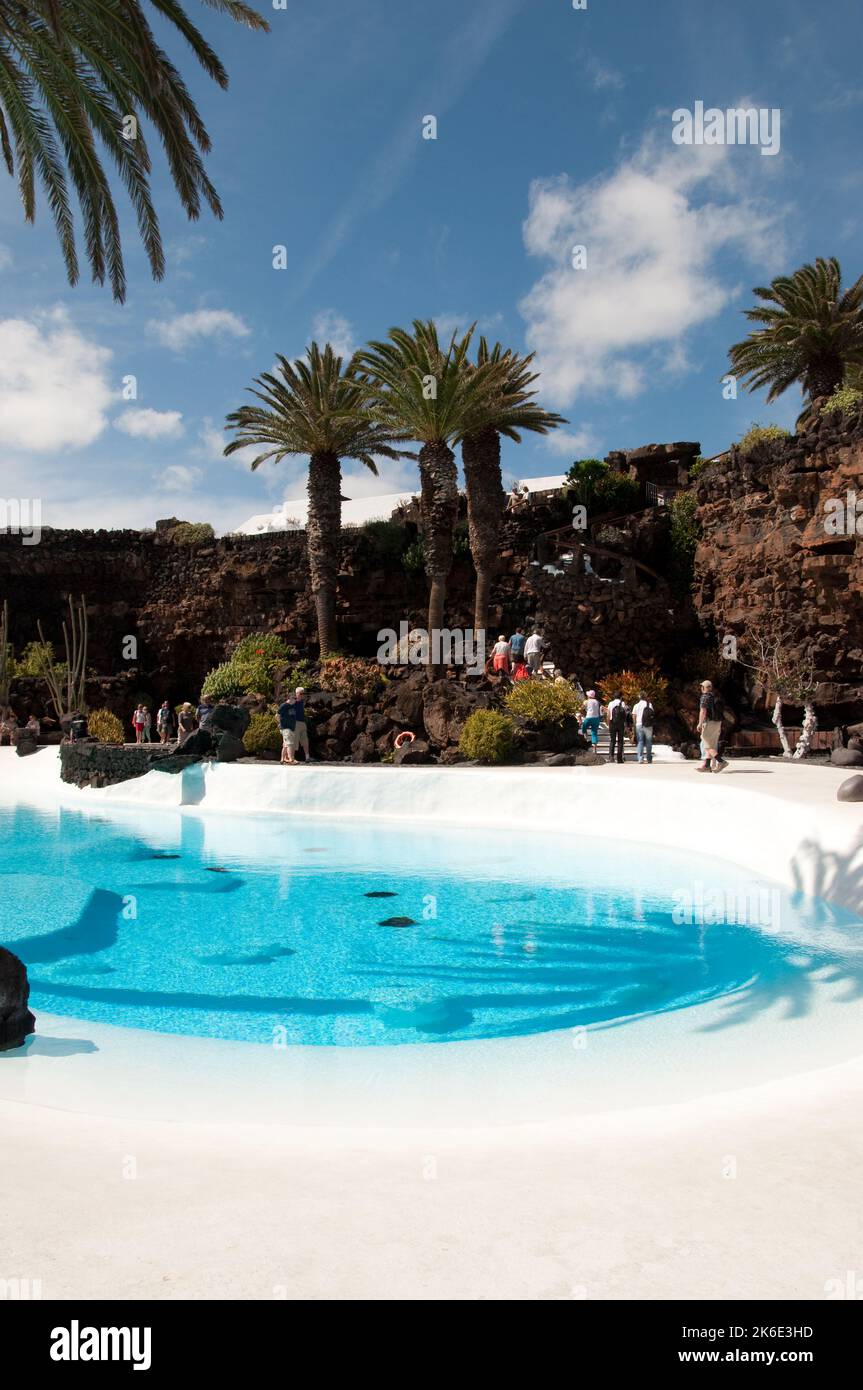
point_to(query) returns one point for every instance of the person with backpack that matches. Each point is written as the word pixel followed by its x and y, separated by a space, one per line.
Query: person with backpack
pixel 710 715
pixel 643 715
pixel 617 715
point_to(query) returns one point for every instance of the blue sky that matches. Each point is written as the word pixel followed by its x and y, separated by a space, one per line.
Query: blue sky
pixel 554 129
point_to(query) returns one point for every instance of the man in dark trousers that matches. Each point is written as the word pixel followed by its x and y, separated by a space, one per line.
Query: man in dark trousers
pixel 617 715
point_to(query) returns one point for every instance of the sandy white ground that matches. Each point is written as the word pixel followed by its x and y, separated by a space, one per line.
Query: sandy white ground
pixel 753 1192
pixel 634 1205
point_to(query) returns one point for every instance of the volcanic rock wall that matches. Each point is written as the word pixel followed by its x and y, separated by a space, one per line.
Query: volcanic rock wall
pixel 766 551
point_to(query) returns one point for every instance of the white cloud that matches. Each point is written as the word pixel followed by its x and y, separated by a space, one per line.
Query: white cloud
pixel 331 327
pixel 651 263
pixel 151 424
pixel 393 475
pixel 448 324
pixel 212 443
pixel 54 386
pixel 573 443
pixel 178 477
pixel 184 329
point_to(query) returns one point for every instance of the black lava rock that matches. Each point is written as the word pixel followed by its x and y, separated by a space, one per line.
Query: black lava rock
pixel 851 789
pixel 16 1020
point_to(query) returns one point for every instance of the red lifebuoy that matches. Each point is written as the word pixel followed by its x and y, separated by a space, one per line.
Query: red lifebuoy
pixel 404 737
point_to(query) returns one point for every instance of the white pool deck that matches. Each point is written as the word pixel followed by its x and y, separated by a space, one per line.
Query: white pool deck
pixel 691 1160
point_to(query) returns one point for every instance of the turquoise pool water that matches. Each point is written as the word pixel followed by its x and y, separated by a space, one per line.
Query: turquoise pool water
pixel 274 930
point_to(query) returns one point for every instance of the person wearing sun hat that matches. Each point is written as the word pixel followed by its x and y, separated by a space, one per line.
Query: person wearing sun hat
pixel 590 721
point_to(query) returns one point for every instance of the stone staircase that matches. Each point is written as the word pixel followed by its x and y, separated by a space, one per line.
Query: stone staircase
pixel 662 752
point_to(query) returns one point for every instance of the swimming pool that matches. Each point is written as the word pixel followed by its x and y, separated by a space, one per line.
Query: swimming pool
pixel 280 931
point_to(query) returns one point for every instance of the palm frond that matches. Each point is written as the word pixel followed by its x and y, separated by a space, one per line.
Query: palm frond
pixel 71 74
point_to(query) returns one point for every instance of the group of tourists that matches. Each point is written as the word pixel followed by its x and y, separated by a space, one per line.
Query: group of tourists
pixel 188 719
pixel 638 722
pixel 10 729
pixel 520 657
pixel 291 717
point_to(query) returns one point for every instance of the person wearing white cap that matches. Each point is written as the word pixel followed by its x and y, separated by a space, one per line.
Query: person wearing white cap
pixel 592 713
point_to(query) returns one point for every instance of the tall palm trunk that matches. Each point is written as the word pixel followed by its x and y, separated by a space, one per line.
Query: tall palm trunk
pixel 438 517
pixel 323 541
pixel 480 454
pixel 824 376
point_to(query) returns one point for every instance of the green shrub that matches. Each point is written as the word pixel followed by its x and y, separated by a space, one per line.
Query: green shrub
pixel 350 676
pixel 461 542
pixel 582 479
pixel 593 484
pixel 696 468
pixel 383 542
pixel 683 539
pixel 192 533
pixel 487 737
pixel 263 735
pixel 33 660
pixel 105 726
pixel 617 493
pixel 542 702
pixel 256 659
pixel 845 399
pixel 414 557
pixel 704 664
pixel 630 684
pixel 761 435
pixel 224 682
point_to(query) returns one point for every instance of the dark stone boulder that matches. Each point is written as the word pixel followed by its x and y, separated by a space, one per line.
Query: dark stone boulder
pixel 406 706
pixel 377 724
pixel 229 749
pixel 175 762
pixel 450 756
pixel 340 726
pixel 200 742
pixel 446 706
pixel 16 1020
pixel 363 750
pixel 589 759
pixel 851 789
pixel 551 738
pixel 25 743
pixel 559 760
pixel 229 719
pixel 416 752
pixel 846 757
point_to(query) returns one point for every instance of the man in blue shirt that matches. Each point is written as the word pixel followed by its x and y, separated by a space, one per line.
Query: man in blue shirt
pixel 292 722
pixel 516 644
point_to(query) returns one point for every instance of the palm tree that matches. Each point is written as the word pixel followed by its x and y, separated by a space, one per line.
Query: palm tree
pixel 431 394
pixel 75 70
pixel 812 333
pixel 514 411
pixel 316 409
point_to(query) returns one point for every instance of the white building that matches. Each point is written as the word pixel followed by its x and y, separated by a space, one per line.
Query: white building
pixel 292 515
